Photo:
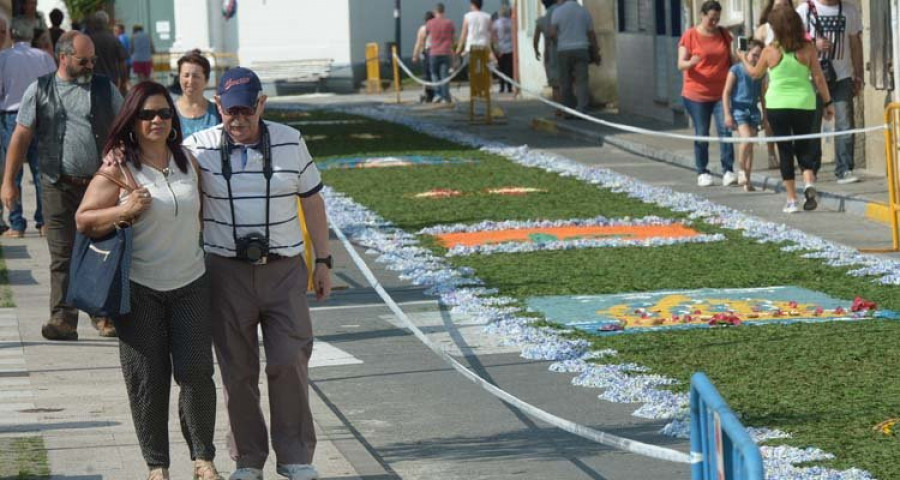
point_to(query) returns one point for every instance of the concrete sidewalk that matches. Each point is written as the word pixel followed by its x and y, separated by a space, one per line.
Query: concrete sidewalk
pixel 73 396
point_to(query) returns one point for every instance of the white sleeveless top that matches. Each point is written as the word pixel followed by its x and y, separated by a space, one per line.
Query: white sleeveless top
pixel 479 29
pixel 166 253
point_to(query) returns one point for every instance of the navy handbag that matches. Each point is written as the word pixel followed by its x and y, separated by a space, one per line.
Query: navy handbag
pixel 99 270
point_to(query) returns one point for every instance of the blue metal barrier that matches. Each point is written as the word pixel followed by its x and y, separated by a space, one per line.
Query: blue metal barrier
pixel 728 452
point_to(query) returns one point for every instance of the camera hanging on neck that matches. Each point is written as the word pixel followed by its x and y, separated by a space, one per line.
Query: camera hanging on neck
pixel 252 247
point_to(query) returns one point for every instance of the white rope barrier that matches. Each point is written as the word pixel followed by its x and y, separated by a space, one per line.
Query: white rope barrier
pixel 604 438
pixel 681 136
pixel 432 84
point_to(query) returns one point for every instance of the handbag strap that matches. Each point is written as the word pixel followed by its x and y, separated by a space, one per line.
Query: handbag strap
pixel 123 185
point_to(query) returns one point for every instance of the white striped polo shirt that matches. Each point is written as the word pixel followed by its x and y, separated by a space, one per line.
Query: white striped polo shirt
pixel 294 174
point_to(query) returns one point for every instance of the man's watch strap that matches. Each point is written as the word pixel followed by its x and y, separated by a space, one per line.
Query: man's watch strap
pixel 327 261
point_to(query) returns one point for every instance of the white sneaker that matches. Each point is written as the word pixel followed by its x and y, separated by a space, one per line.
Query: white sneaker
pixel 729 179
pixel 847 177
pixel 298 471
pixel 791 207
pixel 704 180
pixel 809 194
pixel 742 178
pixel 247 474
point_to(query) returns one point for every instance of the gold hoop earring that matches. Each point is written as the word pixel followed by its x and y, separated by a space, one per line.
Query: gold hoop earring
pixel 173 135
pixel 131 137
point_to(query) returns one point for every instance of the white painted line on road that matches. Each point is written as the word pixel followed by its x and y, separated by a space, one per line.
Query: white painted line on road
pixel 15 394
pixel 14 382
pixel 327 355
pixel 370 305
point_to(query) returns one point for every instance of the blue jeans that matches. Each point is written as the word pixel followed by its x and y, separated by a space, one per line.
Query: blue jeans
pixel 440 69
pixel 842 94
pixel 701 115
pixel 16 218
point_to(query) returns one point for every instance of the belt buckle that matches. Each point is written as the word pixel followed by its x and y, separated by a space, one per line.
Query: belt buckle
pixel 262 261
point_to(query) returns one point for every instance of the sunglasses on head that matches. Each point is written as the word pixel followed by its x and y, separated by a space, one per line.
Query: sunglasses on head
pixel 147 114
pixel 241 111
pixel 83 61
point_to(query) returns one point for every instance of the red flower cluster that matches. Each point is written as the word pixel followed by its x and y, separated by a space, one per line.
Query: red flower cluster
pixel 861 305
pixel 725 319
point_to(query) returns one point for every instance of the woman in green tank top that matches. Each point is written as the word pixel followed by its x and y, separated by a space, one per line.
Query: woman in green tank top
pixel 791 101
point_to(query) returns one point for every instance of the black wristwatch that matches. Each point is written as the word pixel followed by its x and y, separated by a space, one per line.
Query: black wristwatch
pixel 327 261
pixel 828 103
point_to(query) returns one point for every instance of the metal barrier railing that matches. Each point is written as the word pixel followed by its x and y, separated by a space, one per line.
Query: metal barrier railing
pixel 725 448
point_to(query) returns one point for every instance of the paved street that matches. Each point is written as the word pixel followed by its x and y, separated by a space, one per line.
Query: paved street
pixel 386 407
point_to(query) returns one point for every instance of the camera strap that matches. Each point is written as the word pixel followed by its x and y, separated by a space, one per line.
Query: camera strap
pixel 225 155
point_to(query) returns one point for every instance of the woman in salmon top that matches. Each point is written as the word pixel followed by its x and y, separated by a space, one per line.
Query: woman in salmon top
pixel 705 56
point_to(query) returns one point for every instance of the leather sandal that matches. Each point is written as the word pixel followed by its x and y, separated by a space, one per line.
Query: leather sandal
pixel 205 470
pixel 158 474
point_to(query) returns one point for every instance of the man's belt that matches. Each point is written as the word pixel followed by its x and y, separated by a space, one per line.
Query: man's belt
pixel 76 181
pixel 262 261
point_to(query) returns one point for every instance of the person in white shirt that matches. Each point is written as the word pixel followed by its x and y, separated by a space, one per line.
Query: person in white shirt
pixel 837 29
pixel 502 33
pixel 252 174
pixel 476 30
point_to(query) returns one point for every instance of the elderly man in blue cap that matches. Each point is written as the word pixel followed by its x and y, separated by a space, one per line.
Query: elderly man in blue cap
pixel 253 171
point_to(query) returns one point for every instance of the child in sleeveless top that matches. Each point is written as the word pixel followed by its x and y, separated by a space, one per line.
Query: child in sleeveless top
pixel 739 100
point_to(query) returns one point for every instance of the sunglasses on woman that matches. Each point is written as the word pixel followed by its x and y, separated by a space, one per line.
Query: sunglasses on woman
pixel 147 114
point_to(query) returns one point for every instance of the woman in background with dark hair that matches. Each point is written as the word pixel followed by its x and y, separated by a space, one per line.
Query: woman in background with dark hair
pixel 168 329
pixel 791 102
pixel 705 57
pixel 195 111
pixel 420 52
pixel 765 35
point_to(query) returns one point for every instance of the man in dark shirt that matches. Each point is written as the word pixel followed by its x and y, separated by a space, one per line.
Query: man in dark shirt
pixel 111 55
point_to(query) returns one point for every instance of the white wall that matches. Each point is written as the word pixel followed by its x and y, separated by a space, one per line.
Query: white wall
pixel 192 25
pixel 531 71
pixel 270 30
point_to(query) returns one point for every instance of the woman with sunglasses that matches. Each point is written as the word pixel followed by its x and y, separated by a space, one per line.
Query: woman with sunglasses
pixel 168 329
pixel 195 111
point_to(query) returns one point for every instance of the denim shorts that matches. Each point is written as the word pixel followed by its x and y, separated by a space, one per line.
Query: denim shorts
pixel 747 115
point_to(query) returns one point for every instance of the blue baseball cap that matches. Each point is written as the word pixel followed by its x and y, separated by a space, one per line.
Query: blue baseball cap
pixel 238 87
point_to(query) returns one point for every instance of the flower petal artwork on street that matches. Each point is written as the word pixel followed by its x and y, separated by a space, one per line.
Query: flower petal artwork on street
pixel 680 309
pixel 527 236
pixel 383 162
pixel 504 191
pixel 439 193
pixel 514 191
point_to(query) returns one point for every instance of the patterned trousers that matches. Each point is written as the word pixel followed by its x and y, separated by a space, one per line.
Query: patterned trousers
pixel 169 332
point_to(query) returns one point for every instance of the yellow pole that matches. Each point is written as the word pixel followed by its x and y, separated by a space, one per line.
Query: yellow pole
pixel 891 146
pixel 396 72
pixel 307 248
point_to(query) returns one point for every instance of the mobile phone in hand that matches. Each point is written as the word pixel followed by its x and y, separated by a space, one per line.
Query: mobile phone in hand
pixel 743 43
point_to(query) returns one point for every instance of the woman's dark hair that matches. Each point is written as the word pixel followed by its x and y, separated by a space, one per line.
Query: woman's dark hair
pixel 548 3
pixel 764 16
pixel 429 15
pixel 753 43
pixel 197 58
pixel 788 27
pixel 121 134
pixel 56 17
pixel 477 3
pixel 710 5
